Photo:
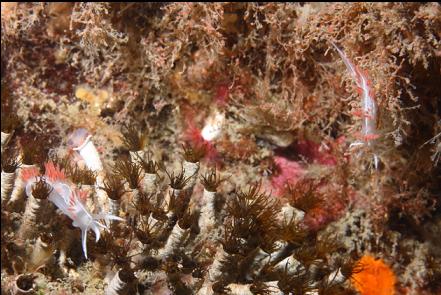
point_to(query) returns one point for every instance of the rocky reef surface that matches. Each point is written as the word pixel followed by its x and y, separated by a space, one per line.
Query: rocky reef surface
pixel 222 148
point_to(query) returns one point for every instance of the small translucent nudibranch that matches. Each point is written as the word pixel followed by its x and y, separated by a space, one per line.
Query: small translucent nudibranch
pixel 368 105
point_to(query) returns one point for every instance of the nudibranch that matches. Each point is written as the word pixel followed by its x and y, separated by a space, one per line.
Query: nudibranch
pixel 80 141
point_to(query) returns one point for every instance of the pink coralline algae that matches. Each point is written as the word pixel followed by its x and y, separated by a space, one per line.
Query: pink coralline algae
pixel 289 172
pixel 315 152
pixel 321 215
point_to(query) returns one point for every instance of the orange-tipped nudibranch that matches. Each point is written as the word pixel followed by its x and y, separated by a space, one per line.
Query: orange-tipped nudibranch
pixel 68 200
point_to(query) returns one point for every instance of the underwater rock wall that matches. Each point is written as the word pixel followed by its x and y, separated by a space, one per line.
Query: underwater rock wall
pixel 248 148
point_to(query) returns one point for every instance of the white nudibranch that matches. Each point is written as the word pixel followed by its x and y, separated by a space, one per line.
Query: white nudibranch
pixel 68 202
pixel 80 141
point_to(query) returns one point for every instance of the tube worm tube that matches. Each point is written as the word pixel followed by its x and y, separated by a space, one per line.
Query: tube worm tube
pixel 207 217
pixel 291 265
pixel 137 156
pixel 149 182
pixel 24 285
pixel 101 265
pixel 121 283
pixel 271 288
pixel 276 255
pixel 239 289
pixel 37 193
pixel 114 190
pixel 171 193
pixel 336 277
pixel 206 289
pixel 80 141
pixel 150 168
pixel 8 179
pixel 190 171
pixel 114 206
pixel 64 245
pixel 135 195
pixel 173 241
pixel 100 194
pixel 289 213
pixel 260 260
pixel 42 252
pixel 314 267
pixel 214 272
pixel 24 173
pixel 5 137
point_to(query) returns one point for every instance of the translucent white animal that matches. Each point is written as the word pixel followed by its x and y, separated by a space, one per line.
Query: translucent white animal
pixel 369 105
pixel 67 200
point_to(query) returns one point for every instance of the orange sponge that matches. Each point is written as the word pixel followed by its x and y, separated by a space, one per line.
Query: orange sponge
pixel 376 278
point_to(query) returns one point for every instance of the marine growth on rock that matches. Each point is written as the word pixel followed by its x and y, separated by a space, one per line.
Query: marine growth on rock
pixel 220 148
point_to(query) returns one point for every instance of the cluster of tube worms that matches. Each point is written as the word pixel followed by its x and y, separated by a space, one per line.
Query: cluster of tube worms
pixel 174 237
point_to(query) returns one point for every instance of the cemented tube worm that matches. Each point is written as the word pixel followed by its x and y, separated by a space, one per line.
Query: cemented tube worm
pixel 10 120
pixel 269 288
pixel 192 157
pixel 207 219
pixel 211 182
pixel 171 194
pixel 290 235
pixel 5 137
pixel 81 141
pixel 42 252
pixel 149 182
pixel 38 193
pixel 150 168
pixel 191 169
pixel 281 247
pixel 290 265
pixel 114 188
pixel 177 234
pixel 137 156
pixel 289 213
pixel 24 285
pixel 9 171
pixel 122 283
pixel 347 270
pixel 131 172
pixel 260 260
pixel 214 272
pixel 134 141
pixel 176 184
pixel 173 241
pixel 288 219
